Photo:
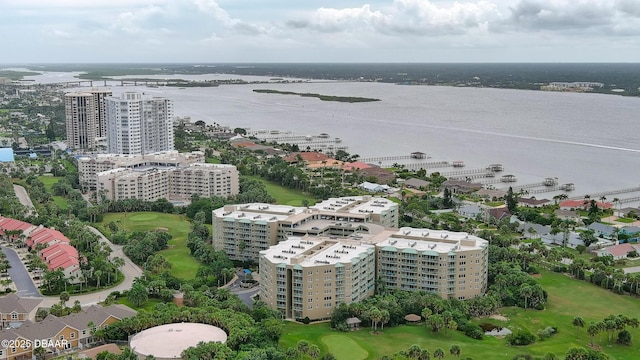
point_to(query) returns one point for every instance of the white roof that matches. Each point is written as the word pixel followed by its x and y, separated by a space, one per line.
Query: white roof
pixel 438 241
pixel 255 211
pixel 316 252
pixel 356 204
pixel 168 341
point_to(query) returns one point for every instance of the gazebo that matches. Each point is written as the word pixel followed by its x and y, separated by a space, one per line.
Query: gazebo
pixel 353 323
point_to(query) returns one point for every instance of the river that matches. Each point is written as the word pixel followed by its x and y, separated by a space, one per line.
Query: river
pixel 591 140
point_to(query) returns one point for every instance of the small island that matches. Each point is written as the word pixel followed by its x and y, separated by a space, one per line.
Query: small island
pixel 349 99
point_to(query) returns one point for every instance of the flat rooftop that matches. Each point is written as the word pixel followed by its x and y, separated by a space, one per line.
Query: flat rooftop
pixel 316 251
pixel 440 241
pixel 255 211
pixel 356 204
pixel 168 341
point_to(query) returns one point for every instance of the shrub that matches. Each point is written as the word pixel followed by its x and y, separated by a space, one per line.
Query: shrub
pixel 520 338
pixel 472 331
pixel 546 332
pixel 7 290
pixel 624 337
pixel 306 320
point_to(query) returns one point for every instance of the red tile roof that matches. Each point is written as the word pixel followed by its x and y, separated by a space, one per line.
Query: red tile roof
pixel 356 165
pixel 46 236
pixel 583 204
pixel 620 250
pixel 12 224
pixel 306 156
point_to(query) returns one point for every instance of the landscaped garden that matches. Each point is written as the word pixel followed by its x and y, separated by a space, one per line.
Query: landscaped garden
pixel 183 265
pixel 283 195
pixel 568 298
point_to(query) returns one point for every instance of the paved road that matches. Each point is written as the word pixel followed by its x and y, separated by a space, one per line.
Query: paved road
pixel 633 269
pixel 23 197
pixel 130 271
pixel 246 295
pixel 20 275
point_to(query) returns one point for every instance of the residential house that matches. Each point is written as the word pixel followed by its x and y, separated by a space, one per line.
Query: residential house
pixel 497 214
pixel 532 202
pixel 99 317
pixel 624 212
pixel 418 184
pixel 620 251
pixel 382 176
pixel 566 214
pixel 15 309
pixel 470 211
pixel 602 230
pixel 62 333
pixel 491 194
pixel 460 186
pixel 583 204
pixel 633 232
pixel 374 188
pixel 573 239
pixel 533 230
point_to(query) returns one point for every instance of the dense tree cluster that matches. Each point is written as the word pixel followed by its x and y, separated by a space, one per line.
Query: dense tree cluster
pixel 251 334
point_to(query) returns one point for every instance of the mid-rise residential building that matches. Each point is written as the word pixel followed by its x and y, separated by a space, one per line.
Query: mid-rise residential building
pixel 242 231
pixel 150 183
pixel 309 277
pixel 90 165
pixel 450 264
pixel 85 118
pixel 139 124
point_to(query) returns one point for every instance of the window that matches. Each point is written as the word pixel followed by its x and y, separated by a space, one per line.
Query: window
pixel 310 300
pixel 61 337
pixel 14 316
pixel 72 335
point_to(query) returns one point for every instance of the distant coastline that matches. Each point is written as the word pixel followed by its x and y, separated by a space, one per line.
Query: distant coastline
pixel 349 99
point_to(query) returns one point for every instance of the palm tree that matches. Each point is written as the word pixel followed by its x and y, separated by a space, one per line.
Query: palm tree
pixel 97 275
pixel 455 350
pixel 526 291
pixel 314 351
pixel 302 347
pixel 592 330
pixel 578 322
pixel 438 353
pixel 384 318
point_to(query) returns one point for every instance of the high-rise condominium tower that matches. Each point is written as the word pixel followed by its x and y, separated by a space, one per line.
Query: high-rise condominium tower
pixel 85 118
pixel 139 124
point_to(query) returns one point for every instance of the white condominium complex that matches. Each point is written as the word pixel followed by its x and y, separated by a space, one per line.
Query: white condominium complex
pixel 90 165
pixel 451 264
pixel 139 124
pixel 85 118
pixel 242 231
pixel 152 182
pixel 309 277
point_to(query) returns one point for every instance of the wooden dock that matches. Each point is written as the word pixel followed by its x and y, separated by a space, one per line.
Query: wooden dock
pixel 599 195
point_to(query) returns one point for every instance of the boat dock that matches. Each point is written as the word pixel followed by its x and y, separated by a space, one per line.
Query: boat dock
pixel 609 193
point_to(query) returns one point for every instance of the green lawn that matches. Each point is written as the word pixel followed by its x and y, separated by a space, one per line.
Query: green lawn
pixel 184 266
pixel 213 160
pixel 626 220
pixel 283 195
pixel 567 298
pixel 148 306
pixel 48 182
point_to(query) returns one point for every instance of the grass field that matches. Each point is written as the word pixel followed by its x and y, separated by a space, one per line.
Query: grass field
pixel 184 266
pixel 149 305
pixel 283 195
pixel 48 182
pixel 567 298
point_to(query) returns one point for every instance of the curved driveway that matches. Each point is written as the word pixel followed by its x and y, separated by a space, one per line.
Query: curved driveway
pixel 130 271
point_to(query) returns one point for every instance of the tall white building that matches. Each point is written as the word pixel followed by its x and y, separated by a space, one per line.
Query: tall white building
pixel 139 124
pixel 85 118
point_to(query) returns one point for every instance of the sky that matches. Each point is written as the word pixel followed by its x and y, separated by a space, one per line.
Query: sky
pixel 256 31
